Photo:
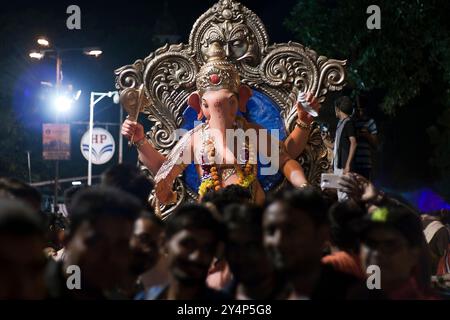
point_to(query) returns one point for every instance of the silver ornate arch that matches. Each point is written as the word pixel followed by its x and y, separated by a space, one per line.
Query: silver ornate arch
pixel 278 70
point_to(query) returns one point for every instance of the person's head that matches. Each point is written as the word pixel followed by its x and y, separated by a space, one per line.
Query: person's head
pixel 244 244
pixel 295 230
pixel 343 107
pixel 443 215
pixel 145 242
pixel 191 239
pixel 232 194
pixel 101 225
pixel 391 238
pixel 22 191
pixel 129 179
pixel 22 260
pixel 341 216
pixel 70 193
pixel 362 105
pixel 360 113
pixel 56 225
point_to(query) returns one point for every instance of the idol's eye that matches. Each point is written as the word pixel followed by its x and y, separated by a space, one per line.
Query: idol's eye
pixel 204 105
pixel 237 43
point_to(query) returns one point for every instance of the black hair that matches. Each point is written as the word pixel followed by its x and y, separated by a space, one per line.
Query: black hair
pixel 344 104
pixel 409 224
pixel 20 190
pixel 152 217
pixel 341 216
pixel 193 216
pixel 400 218
pixel 443 215
pixel 18 219
pixel 69 194
pixel 308 200
pixel 99 202
pixel 56 220
pixel 226 196
pixel 129 179
pixel 247 216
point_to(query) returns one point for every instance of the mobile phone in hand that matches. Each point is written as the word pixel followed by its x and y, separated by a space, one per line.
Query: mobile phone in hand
pixel 330 181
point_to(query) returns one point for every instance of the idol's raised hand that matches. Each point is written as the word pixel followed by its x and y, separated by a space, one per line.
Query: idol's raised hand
pixel 132 129
pixel 302 114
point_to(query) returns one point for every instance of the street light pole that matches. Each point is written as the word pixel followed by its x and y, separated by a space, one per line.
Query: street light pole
pixel 58 85
pixel 44 43
pixel 91 127
pixel 29 166
pixel 92 104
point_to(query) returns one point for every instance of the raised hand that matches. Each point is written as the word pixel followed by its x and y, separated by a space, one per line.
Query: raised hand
pixel 302 114
pixel 358 187
pixel 132 130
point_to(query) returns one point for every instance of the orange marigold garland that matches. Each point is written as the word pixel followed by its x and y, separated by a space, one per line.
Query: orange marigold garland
pixel 211 179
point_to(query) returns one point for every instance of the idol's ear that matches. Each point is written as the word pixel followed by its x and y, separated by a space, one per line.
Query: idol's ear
pixel 194 102
pixel 244 95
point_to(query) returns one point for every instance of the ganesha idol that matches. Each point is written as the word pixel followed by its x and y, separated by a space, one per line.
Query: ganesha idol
pixel 219 161
pixel 248 129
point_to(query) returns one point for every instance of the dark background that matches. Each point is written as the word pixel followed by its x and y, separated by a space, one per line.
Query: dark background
pixel 409 159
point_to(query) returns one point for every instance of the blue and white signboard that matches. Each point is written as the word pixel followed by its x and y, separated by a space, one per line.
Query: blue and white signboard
pixel 103 146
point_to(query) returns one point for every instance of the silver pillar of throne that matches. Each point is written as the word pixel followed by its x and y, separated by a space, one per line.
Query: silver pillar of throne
pixel 276 70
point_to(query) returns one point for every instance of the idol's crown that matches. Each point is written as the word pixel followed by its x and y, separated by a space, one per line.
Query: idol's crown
pixel 217 73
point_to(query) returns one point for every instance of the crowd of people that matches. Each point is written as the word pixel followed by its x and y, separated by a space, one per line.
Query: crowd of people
pixel 354 242
pixel 302 244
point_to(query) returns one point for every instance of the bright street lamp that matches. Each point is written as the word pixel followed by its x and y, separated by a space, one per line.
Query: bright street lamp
pixel 36 55
pixel 43 42
pixel 93 52
pixel 62 103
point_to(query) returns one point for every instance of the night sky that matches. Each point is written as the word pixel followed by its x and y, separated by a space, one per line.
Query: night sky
pixel 124 33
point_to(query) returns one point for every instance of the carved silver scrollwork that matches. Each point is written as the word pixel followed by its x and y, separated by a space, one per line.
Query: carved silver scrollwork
pixel 315 158
pixel 287 66
pixel 332 76
pixel 169 78
pixel 129 76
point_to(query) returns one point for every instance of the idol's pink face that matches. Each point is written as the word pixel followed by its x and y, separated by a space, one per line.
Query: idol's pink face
pixel 220 106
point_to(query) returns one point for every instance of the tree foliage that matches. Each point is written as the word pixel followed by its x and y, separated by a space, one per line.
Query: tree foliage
pixel 408 58
pixel 411 46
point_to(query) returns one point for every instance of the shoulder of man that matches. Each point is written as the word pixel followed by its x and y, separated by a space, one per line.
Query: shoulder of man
pixel 350 128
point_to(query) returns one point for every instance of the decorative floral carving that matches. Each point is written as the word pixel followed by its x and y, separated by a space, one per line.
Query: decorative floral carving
pixel 129 76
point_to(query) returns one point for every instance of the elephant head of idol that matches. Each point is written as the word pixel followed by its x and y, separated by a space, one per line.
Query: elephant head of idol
pixel 220 93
